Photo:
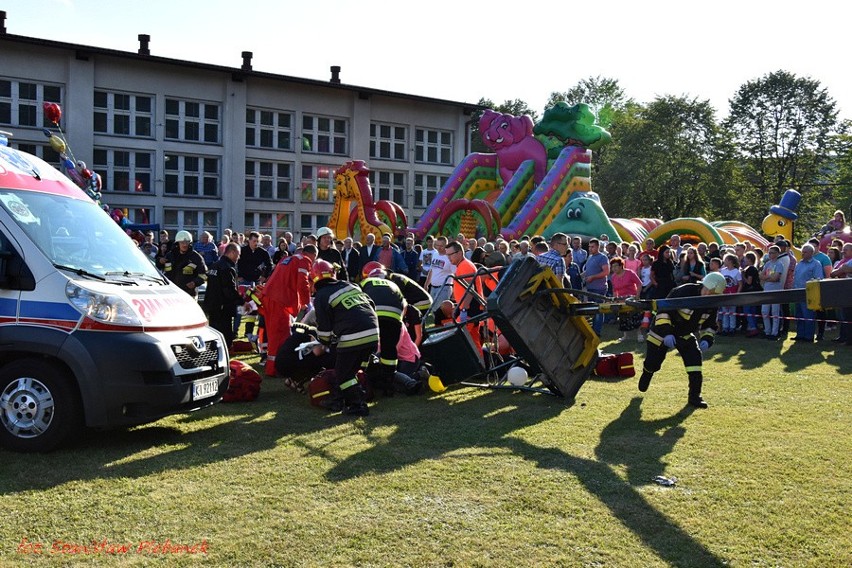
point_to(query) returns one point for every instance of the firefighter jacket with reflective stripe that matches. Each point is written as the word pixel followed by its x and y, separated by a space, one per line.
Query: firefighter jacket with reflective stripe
pixel 684 321
pixel 345 311
pixel 390 303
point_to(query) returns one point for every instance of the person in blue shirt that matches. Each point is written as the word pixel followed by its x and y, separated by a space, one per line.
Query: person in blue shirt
pixel 579 254
pixel 595 274
pixel 806 270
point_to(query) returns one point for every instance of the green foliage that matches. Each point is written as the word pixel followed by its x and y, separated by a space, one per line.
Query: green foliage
pixel 784 126
pixel 662 162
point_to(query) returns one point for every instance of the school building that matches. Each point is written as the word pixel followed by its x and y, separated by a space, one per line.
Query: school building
pixel 204 147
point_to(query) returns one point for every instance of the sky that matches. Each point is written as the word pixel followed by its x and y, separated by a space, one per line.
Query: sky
pixel 463 50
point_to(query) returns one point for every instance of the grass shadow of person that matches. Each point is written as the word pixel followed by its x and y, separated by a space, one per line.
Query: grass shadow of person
pixel 640 445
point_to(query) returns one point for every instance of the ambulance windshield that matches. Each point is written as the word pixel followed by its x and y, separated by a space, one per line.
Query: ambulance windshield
pixel 76 234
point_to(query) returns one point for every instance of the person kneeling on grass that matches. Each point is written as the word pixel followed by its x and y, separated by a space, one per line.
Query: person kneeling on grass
pixel 678 328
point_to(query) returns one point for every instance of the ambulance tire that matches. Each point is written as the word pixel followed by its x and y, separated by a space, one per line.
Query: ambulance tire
pixel 39 406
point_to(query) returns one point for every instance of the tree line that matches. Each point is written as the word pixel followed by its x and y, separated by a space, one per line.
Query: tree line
pixel 672 157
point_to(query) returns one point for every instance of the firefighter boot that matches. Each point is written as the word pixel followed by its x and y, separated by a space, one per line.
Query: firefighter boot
pixel 695 381
pixel 645 380
pixel 354 400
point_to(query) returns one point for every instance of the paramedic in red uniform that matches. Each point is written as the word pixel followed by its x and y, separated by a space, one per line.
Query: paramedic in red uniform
pixel 285 293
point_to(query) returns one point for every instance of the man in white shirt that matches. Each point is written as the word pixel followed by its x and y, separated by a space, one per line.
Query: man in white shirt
pixel 439 282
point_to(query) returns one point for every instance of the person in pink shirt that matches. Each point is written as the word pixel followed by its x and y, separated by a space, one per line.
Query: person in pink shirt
pixel 626 284
pixel 631 262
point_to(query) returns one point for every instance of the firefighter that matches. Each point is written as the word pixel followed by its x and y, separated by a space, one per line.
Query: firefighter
pixel 390 307
pixel 413 292
pixel 344 311
pixel 285 294
pixel 184 266
pixel 690 331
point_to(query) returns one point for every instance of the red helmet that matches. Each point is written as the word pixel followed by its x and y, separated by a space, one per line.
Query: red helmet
pixel 322 270
pixel 370 267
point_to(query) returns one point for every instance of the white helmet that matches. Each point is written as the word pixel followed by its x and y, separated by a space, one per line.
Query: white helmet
pixel 715 282
pixel 324 231
pixel 183 237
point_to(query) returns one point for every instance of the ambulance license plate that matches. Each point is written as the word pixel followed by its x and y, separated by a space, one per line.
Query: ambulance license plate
pixel 205 389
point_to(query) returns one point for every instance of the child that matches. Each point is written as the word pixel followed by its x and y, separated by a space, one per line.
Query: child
pixel 751 283
pixel 733 284
pixel 645 275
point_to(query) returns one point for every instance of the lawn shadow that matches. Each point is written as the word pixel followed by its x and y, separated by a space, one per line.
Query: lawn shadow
pixel 240 429
pixel 802 355
pixel 640 445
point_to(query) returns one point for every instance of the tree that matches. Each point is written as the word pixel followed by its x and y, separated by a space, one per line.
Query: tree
pixel 515 107
pixel 783 126
pixel 664 160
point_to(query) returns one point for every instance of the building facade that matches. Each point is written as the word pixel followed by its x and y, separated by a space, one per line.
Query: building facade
pixel 203 147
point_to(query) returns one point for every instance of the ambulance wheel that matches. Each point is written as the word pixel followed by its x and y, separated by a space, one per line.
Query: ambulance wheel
pixel 39 406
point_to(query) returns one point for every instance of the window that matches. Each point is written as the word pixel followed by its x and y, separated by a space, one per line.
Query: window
pixel 21 103
pixel 192 121
pixel 261 222
pixel 123 114
pixel 124 170
pixel 433 146
pixel 43 151
pixel 324 135
pixel 191 220
pixel 191 175
pixel 275 224
pixel 388 142
pixel 268 180
pixel 269 129
pixel 388 185
pixel 310 223
pixel 317 183
pixel 426 187
pixel 136 215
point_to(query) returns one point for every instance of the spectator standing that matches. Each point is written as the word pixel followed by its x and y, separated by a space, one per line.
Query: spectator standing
pixel 351 259
pixel 751 283
pixel 555 257
pixel 411 258
pixel 733 285
pixel 595 275
pixel 579 254
pixel 806 270
pixel 149 247
pixel 772 277
pixel 206 248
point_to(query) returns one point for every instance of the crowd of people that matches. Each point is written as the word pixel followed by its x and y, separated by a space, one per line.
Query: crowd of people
pixel 375 297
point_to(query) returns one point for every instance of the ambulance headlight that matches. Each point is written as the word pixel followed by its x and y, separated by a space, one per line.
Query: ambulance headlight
pixel 107 308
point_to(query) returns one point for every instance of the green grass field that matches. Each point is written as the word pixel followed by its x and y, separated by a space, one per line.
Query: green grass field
pixel 470 477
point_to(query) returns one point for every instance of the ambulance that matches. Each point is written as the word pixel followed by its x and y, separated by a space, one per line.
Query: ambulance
pixel 91 334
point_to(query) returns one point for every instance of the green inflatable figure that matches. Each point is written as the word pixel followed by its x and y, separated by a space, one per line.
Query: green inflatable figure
pixel 570 126
pixel 583 216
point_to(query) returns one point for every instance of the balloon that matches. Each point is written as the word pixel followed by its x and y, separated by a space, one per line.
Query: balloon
pixel 53 112
pixel 517 376
pixel 57 143
pixel 86 173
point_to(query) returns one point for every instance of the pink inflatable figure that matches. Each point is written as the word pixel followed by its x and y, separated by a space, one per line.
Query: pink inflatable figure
pixel 511 138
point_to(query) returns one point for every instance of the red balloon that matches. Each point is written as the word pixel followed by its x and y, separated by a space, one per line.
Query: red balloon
pixel 53 112
pixel 86 173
